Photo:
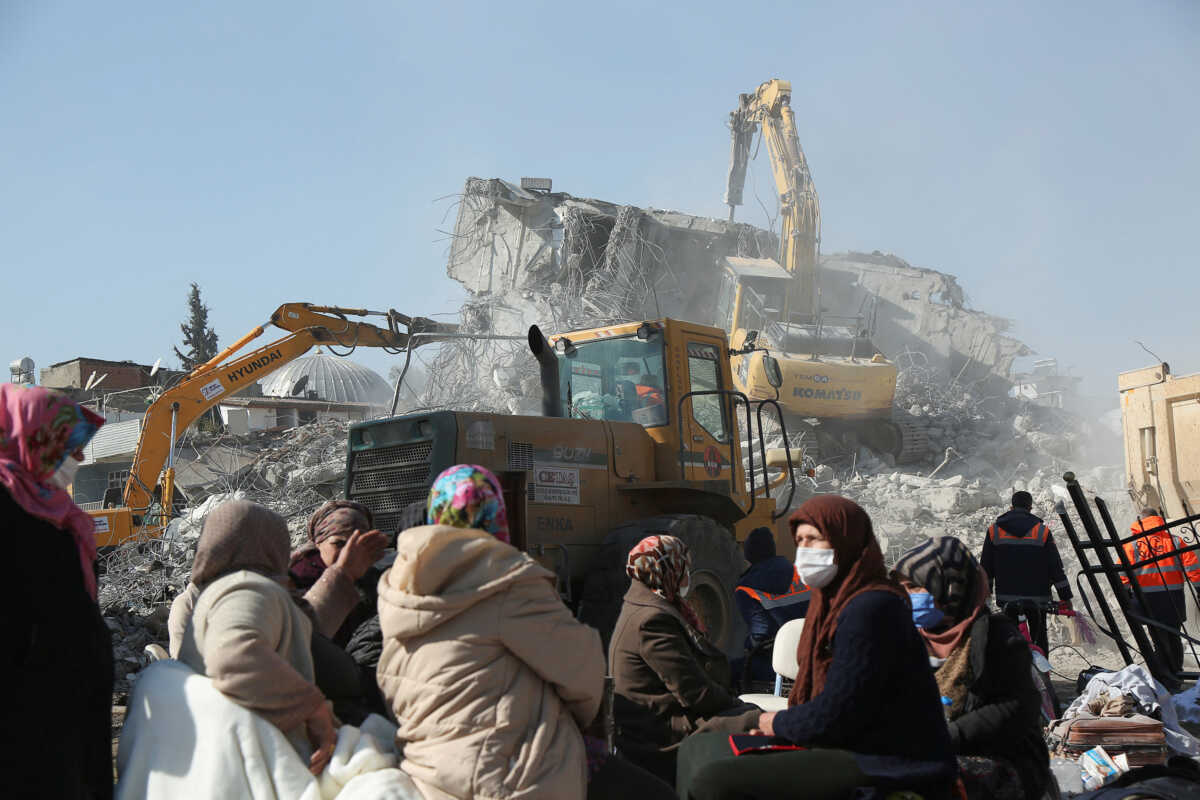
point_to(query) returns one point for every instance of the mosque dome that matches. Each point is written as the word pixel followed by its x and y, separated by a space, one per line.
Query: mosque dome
pixel 329 378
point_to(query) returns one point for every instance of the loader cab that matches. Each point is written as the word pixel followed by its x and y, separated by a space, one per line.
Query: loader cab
pixel 670 377
pixel 619 378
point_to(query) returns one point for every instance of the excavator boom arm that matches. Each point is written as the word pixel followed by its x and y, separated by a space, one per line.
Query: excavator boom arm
pixel 225 375
pixel 190 398
pixel 769 107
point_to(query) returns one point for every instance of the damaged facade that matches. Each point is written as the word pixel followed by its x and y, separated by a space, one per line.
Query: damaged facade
pixel 921 310
pixel 569 263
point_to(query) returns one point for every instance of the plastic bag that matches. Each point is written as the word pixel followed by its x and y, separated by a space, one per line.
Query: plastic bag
pixel 1082 630
pixel 1067 775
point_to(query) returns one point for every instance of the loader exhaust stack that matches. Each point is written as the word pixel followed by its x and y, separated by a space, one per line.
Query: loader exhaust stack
pixel 544 353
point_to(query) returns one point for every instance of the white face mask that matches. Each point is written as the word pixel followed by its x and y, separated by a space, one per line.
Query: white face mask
pixel 816 567
pixel 64 476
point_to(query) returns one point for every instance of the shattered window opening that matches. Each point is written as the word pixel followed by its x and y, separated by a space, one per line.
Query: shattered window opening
pixel 704 367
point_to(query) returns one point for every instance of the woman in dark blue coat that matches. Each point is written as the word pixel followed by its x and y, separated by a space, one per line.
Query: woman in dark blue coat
pixel 865 705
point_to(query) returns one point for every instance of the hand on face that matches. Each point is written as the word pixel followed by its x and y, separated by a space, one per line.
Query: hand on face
pixel 359 552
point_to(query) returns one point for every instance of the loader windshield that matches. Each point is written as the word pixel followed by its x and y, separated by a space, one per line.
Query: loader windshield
pixel 615 379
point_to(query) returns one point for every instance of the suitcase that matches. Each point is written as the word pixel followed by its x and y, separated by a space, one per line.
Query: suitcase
pixel 1140 738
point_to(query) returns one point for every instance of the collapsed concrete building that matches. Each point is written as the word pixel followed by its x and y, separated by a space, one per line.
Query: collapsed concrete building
pixel 567 263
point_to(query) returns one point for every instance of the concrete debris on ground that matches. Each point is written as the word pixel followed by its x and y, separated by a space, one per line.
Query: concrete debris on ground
pixel 291 471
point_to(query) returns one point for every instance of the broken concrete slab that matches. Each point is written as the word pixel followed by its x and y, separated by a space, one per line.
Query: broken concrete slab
pixel 922 310
pixel 565 262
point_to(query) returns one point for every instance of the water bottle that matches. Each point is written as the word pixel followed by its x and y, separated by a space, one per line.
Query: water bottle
pixel 946 703
pixel 1067 776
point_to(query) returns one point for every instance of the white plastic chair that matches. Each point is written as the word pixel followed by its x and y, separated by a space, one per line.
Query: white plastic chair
pixel 783 661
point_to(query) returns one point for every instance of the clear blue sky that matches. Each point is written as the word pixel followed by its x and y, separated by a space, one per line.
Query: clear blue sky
pixel 1046 153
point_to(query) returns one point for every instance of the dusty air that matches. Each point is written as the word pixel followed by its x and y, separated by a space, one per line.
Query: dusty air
pixel 633 465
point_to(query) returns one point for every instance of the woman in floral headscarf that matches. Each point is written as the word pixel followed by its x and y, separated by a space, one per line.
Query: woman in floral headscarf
pixel 467 496
pixel 489 675
pixel 57 649
pixel 669 680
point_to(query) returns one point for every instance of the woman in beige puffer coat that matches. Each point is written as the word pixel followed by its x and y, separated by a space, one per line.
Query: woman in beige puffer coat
pixel 490 677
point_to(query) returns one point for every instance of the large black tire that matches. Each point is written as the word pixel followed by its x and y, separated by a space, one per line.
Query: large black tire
pixel 717 563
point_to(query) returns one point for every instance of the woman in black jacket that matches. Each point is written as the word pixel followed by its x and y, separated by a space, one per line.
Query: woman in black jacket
pixel 982 664
pixel 57 655
pixel 864 708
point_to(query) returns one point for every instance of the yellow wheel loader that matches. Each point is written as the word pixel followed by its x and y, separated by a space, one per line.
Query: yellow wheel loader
pixel 834 377
pixel 639 436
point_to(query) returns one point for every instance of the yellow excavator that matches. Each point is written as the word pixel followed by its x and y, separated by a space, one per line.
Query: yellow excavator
pixel 147 501
pixel 836 383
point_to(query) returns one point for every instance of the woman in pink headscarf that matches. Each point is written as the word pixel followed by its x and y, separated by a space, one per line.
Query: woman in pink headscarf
pixel 57 649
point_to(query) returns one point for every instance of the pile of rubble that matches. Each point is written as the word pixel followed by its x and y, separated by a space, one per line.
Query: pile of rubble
pixel 291 471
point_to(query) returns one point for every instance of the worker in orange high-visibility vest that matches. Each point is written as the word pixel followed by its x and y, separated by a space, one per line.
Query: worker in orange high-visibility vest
pixel 642 395
pixel 1164 581
pixel 768 594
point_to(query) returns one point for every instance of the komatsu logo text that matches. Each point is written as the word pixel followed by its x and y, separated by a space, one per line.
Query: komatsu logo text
pixel 827 394
pixel 253 366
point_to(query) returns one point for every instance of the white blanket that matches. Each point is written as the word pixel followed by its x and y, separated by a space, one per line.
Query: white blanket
pixel 183 738
pixel 1153 700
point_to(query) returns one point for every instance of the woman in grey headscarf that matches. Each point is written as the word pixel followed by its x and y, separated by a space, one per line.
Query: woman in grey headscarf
pixel 242 629
pixel 982 668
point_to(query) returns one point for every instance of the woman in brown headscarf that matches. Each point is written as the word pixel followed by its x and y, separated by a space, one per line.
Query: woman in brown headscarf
pixel 246 633
pixel 333 596
pixel 864 705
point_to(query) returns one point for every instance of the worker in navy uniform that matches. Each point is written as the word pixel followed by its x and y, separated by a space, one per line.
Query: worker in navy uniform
pixel 1022 563
pixel 768 594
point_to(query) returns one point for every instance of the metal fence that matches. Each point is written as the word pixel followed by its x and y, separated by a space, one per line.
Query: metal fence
pixel 1151 587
